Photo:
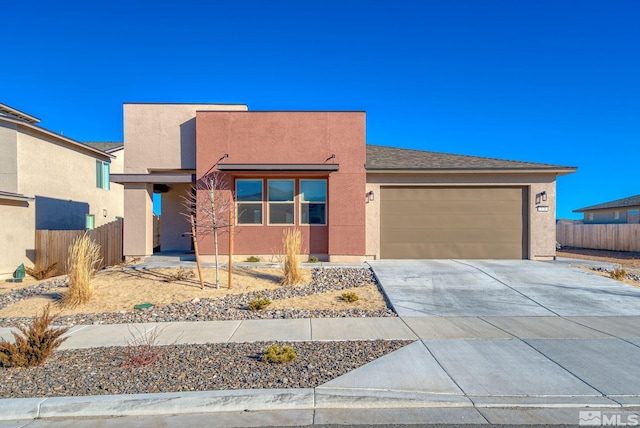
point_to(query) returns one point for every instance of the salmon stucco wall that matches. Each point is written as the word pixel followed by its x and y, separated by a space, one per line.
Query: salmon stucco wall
pixel 293 138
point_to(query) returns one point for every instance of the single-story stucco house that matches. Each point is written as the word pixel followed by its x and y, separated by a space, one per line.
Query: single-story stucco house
pixel 620 211
pixel 314 171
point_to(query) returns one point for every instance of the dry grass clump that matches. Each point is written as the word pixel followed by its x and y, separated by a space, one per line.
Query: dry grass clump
pixel 292 245
pixel 82 265
pixel 35 345
pixel 39 274
pixel 275 354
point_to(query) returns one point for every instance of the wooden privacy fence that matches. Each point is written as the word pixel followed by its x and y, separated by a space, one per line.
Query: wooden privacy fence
pixel 52 246
pixel 614 237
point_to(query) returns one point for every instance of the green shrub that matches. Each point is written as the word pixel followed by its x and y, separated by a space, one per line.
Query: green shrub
pixel 275 354
pixel 253 259
pixel 618 273
pixel 259 303
pixel 313 259
pixel 35 345
pixel 349 297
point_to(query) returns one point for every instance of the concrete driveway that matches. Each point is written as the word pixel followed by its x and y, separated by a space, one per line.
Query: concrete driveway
pixel 467 288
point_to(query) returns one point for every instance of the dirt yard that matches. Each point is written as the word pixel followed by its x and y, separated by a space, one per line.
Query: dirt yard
pixel 625 259
pixel 119 289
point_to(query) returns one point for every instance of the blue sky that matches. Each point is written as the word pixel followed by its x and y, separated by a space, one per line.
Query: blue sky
pixel 542 81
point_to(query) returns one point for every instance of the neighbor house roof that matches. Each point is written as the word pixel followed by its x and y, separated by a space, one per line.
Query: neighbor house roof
pixel 69 142
pixel 381 158
pixel 631 201
pixel 105 146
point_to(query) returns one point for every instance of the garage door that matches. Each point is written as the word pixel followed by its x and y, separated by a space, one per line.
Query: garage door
pixel 453 222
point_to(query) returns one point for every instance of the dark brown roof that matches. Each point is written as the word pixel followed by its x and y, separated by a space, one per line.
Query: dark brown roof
pixel 631 201
pixel 105 146
pixel 392 158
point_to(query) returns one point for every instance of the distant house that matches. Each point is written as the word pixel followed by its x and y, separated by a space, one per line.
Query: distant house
pixel 620 211
pixel 49 181
pixel 313 170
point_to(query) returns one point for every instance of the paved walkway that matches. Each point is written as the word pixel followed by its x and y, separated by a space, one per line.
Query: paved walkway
pixel 484 364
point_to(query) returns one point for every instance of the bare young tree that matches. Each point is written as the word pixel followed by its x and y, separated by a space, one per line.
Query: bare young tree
pixel 207 208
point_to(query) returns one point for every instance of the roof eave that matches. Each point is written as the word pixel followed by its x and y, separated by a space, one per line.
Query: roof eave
pixel 557 171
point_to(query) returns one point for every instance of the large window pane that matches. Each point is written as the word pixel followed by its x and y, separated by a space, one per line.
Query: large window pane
pixel 248 190
pixel 314 213
pixel 313 190
pixel 99 174
pixel 281 190
pixel 249 213
pixel 105 176
pixel 281 213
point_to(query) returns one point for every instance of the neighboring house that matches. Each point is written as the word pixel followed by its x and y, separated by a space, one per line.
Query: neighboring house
pixel 620 211
pixel 314 171
pixel 48 181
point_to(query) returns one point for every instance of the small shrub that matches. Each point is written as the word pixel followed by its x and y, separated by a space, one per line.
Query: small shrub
pixel 275 354
pixel 82 265
pixel 259 303
pixel 253 259
pixel 349 297
pixel 180 275
pixel 41 273
pixel 313 259
pixel 618 273
pixel 35 345
pixel 292 245
pixel 142 349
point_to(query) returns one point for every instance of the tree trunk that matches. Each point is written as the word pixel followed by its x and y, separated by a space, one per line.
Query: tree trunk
pixel 195 248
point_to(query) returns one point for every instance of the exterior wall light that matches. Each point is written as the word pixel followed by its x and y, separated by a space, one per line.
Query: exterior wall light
pixel 370 196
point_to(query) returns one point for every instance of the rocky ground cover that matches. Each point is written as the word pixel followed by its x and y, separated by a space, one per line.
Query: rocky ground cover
pixel 224 307
pixel 107 370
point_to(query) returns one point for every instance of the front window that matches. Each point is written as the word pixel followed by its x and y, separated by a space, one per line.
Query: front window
pixel 249 201
pixel 313 202
pixel 281 206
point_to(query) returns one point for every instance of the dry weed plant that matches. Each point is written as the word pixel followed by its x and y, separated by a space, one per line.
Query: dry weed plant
pixel 38 273
pixel 36 343
pixel 180 275
pixel 143 349
pixel 292 246
pixel 82 265
pixel 618 273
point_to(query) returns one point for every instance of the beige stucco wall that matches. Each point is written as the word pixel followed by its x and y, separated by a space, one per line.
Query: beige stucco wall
pixel 50 169
pixel 542 226
pixel 8 157
pixel 157 137
pixel 17 236
pixel 163 136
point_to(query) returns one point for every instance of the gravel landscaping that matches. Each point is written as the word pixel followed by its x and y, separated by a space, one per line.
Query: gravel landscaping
pixel 227 366
pixel 229 307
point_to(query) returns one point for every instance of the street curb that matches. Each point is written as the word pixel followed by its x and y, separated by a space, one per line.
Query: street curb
pixel 204 402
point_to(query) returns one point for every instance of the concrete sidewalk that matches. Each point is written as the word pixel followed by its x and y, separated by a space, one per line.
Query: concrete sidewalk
pixel 458 370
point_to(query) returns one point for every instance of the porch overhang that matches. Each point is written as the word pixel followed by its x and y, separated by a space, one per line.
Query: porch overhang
pixel 278 167
pixel 153 178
